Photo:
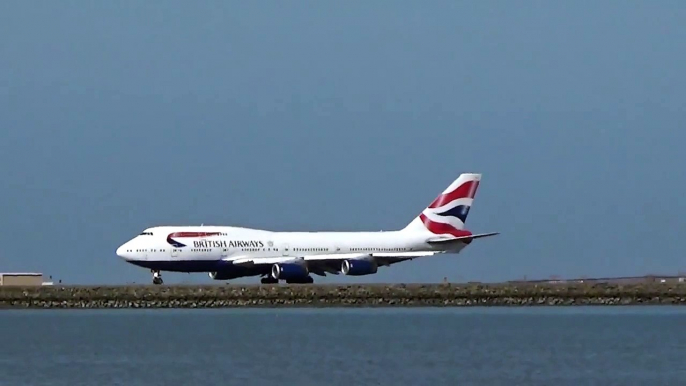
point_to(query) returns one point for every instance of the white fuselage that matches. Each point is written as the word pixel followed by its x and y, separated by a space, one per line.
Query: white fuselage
pixel 236 243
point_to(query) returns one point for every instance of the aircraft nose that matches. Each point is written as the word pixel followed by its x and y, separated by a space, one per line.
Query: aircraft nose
pixel 121 252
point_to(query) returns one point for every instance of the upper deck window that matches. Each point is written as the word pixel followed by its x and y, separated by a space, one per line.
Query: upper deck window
pixel 146 234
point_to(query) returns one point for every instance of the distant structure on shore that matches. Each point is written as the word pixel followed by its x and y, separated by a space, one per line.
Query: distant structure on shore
pixel 22 279
pixel 680 278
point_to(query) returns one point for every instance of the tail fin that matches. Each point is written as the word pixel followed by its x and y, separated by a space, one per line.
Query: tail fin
pixel 447 214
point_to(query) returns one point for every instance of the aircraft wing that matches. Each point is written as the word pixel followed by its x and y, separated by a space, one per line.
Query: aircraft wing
pixel 331 263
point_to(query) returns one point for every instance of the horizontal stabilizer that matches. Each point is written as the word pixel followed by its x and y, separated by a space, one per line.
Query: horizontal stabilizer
pixel 468 238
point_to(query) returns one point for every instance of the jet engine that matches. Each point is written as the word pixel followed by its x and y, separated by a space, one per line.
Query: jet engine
pixel 289 271
pixel 354 267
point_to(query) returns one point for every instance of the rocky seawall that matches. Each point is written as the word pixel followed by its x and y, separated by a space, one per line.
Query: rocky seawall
pixel 375 295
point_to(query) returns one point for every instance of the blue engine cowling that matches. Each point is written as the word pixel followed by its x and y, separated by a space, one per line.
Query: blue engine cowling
pixel 289 271
pixel 358 267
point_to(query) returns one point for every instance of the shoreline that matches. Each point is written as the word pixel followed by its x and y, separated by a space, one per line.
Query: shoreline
pixel 340 295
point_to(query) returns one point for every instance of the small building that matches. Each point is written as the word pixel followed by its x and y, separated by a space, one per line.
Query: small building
pixel 21 279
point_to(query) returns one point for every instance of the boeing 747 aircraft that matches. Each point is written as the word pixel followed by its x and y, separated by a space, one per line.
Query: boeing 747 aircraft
pixel 228 252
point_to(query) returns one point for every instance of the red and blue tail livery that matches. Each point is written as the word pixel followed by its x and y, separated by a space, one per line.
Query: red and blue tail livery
pixel 230 252
pixel 447 214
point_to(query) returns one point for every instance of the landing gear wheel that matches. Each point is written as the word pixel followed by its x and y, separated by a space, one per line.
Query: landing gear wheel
pixel 307 280
pixel 157 278
pixel 268 280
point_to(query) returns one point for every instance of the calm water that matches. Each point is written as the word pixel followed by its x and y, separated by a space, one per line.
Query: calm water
pixel 485 346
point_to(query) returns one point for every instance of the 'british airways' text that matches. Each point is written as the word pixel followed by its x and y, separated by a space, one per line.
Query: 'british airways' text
pixel 228 244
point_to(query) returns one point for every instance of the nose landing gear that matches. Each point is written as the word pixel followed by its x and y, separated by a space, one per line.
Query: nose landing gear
pixel 156 277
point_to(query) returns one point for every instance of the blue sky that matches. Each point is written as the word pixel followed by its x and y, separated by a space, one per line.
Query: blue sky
pixel 117 116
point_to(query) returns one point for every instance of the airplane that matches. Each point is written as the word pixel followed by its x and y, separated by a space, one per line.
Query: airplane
pixel 231 252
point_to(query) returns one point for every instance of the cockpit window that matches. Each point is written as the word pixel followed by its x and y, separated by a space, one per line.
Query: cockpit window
pixel 146 234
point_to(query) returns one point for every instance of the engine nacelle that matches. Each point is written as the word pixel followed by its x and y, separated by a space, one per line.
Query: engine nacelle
pixel 289 271
pixel 222 275
pixel 358 267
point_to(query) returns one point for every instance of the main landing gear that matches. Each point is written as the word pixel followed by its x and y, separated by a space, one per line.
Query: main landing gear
pixel 270 280
pixel 156 277
pixel 306 280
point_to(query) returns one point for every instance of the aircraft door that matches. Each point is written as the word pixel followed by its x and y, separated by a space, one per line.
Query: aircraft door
pixel 174 252
pixel 286 250
pixel 225 251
